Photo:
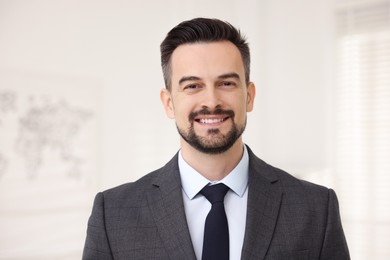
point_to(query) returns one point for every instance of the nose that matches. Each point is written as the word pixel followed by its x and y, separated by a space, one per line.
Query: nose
pixel 211 98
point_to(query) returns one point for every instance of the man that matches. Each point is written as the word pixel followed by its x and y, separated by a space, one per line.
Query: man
pixel 263 213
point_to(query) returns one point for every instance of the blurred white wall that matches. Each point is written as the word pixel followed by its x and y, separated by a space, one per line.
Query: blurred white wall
pixel 115 46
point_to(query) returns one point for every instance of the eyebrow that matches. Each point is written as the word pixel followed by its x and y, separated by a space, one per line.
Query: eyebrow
pixel 223 76
pixel 188 78
pixel 229 75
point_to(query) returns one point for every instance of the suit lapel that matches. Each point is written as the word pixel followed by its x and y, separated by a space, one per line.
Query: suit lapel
pixel 167 207
pixel 264 200
pixel 165 201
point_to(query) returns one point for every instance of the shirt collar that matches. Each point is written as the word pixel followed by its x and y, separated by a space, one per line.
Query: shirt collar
pixel 193 182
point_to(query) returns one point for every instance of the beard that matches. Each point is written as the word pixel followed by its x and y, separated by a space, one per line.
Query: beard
pixel 215 142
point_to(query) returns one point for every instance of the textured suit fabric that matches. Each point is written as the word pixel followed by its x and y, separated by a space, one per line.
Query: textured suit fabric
pixel 287 218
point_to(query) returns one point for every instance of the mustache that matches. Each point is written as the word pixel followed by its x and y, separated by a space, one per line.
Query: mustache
pixel 205 111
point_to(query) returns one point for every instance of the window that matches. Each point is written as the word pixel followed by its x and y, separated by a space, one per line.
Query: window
pixel 362 137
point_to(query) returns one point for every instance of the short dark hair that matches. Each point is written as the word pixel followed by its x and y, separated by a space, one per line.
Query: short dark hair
pixel 201 30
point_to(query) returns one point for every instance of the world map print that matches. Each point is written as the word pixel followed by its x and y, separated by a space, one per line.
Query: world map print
pixel 49 162
pixel 48 128
pixel 45 130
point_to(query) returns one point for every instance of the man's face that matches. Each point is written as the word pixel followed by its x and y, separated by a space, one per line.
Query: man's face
pixel 209 98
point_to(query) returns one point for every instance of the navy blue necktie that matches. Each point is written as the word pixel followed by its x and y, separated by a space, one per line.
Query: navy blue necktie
pixel 216 230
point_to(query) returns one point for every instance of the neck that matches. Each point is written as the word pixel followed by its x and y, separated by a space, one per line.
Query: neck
pixel 213 167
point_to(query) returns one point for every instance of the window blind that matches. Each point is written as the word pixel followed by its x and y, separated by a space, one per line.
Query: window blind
pixel 362 137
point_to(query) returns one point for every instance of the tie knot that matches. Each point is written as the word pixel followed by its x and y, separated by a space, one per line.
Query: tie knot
pixel 215 193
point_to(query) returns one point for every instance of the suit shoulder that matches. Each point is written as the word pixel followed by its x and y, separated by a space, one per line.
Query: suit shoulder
pixel 297 190
pixel 289 180
pixel 277 175
pixel 135 191
pixel 291 186
pixel 131 193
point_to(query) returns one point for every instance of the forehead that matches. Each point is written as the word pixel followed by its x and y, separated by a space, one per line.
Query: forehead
pixel 206 59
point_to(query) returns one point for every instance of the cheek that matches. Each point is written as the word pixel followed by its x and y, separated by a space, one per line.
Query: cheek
pixel 240 112
pixel 181 112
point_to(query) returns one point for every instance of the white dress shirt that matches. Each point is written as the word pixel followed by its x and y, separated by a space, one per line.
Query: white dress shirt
pixel 197 206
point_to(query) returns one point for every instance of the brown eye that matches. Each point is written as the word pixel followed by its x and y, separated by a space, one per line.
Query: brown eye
pixel 191 88
pixel 228 84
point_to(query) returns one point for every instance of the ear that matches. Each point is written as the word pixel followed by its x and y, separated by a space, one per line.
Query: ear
pixel 251 96
pixel 166 100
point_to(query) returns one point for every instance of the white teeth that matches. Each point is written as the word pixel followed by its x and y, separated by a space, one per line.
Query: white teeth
pixel 211 121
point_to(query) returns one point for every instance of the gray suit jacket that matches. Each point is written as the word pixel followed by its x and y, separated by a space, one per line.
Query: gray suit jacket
pixel 287 218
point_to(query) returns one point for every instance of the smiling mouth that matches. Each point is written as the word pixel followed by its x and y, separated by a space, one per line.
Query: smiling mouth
pixel 206 117
pixel 211 120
